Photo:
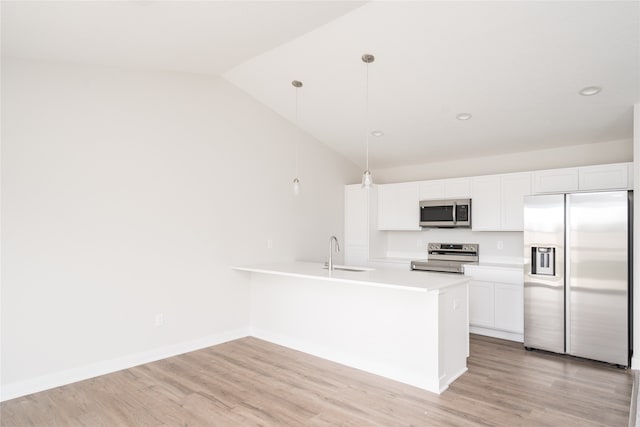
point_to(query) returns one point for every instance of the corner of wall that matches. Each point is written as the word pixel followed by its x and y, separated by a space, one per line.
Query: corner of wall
pixel 635 324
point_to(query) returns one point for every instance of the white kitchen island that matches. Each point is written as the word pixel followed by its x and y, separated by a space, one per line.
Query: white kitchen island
pixel 406 325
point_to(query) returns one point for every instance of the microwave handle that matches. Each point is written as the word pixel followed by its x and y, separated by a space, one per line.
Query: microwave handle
pixel 455 208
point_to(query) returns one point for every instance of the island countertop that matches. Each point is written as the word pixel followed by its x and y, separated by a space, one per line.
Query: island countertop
pixel 419 281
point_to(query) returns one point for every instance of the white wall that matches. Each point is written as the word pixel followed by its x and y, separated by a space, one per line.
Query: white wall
pixel 635 361
pixel 576 155
pixel 126 194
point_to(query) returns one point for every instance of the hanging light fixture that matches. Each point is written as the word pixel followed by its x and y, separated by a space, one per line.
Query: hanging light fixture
pixel 367 180
pixel 296 182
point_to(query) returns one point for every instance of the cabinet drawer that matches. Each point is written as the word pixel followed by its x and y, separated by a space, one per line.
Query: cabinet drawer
pixel 514 277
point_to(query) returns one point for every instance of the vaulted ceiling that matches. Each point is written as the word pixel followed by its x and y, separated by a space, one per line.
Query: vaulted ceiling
pixel 516 67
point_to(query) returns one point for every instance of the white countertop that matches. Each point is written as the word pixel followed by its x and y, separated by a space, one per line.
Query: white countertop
pixel 420 281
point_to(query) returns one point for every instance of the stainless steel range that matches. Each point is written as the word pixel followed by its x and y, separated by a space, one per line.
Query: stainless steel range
pixel 447 257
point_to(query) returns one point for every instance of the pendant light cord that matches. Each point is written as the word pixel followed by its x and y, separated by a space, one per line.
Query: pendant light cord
pixel 297 141
pixel 366 115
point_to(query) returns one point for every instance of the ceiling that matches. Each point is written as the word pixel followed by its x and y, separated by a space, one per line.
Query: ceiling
pixel 207 37
pixel 516 67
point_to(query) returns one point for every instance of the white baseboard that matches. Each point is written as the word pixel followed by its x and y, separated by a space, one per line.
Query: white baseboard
pixel 57 379
pixel 635 362
pixel 511 336
pixel 445 386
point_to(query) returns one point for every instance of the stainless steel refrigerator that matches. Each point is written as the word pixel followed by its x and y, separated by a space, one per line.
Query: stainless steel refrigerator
pixel 577 274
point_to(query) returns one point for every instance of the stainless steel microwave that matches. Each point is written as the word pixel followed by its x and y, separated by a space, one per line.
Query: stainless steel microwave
pixel 451 213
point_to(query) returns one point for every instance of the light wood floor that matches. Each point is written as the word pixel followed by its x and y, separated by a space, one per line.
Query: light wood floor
pixel 252 382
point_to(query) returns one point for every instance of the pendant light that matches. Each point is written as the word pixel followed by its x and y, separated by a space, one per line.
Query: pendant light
pixel 367 180
pixel 296 182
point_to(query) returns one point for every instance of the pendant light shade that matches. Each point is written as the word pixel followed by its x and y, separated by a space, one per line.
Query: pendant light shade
pixel 296 182
pixel 296 186
pixel 367 179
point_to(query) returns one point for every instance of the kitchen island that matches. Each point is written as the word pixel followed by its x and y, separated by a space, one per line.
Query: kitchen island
pixel 405 325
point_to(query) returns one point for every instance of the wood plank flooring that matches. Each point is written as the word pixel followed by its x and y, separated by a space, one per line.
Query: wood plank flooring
pixel 253 382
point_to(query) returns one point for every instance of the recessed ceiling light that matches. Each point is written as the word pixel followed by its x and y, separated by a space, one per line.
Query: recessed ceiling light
pixel 590 90
pixel 377 133
pixel 463 116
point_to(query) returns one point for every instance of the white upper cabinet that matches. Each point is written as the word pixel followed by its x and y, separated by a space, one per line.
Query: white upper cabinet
pixel 431 190
pixel 356 215
pixel 604 177
pixel 513 188
pixel 398 206
pixel 617 176
pixel 485 204
pixel 458 188
pixel 498 202
pixel 555 181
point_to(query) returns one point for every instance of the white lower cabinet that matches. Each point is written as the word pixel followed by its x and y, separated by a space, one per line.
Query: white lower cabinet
pixel 496 304
pixel 509 307
pixel 481 309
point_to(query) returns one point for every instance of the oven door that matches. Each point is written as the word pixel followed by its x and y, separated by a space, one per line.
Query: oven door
pixel 445 213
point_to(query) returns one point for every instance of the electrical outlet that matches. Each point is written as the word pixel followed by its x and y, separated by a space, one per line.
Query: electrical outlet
pixel 500 244
pixel 269 244
pixel 159 319
pixel 456 304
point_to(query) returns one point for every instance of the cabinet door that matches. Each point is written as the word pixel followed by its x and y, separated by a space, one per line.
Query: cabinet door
pixel 398 206
pixel 513 188
pixel 509 307
pixel 481 304
pixel 604 177
pixel 431 190
pixel 555 181
pixel 356 215
pixel 459 188
pixel 485 204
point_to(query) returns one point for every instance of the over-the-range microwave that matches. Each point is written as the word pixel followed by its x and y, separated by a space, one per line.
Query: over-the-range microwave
pixel 450 213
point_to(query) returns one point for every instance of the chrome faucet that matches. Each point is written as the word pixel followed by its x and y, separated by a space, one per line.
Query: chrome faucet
pixel 331 240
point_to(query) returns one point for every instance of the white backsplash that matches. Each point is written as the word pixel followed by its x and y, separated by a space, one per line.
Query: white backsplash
pixel 495 246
